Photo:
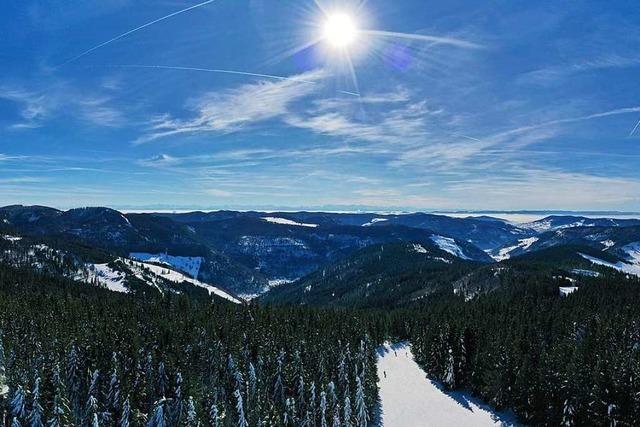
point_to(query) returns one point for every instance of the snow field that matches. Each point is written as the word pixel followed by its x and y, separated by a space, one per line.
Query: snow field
pixel 409 399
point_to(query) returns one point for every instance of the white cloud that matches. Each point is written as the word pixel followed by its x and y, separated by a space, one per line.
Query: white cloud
pixel 218 193
pixel 235 109
pixel 36 107
pixel 545 189
pixel 557 73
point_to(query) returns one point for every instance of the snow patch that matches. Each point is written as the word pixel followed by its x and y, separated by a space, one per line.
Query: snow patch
pixel 274 283
pixel 374 221
pixel 12 239
pixel 177 277
pixel 633 252
pixel 620 266
pixel 112 279
pixel 505 253
pixel 449 245
pixel 284 221
pixel 588 273
pixel 190 265
pixel 607 244
pixel 409 399
pixel 419 248
pixel 566 290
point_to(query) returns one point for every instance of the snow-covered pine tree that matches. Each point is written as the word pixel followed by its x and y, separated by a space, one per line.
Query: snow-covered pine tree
pixel 336 416
pixel 157 418
pixel 125 415
pixel 4 389
pixel 241 420
pixel 113 393
pixel 192 416
pixel 323 409
pixel 253 382
pixel 36 414
pixel 15 422
pixel 568 414
pixel 313 408
pixel 300 395
pixel 177 405
pixel 60 412
pixel 289 417
pixel 163 380
pixel 73 382
pixel 238 380
pixel 278 385
pixel 449 373
pixel 347 412
pixel 214 415
pixel 17 404
pixel 91 410
pixel 331 393
pixel 362 416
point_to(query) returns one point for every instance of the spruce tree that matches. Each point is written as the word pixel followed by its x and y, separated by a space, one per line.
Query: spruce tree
pixel 125 415
pixel 362 416
pixel 192 416
pixel 36 415
pixel 157 417
pixel 17 404
pixel 241 420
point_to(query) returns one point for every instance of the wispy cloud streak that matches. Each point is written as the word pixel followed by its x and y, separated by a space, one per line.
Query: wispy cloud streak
pixel 222 71
pixel 425 38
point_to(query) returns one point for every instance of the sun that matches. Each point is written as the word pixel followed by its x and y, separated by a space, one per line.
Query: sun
pixel 340 30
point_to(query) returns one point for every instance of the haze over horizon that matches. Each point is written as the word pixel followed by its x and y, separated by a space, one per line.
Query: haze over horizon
pixel 234 104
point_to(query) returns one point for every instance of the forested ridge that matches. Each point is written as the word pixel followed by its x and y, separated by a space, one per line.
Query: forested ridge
pixel 78 355
pixel 75 354
pixel 554 361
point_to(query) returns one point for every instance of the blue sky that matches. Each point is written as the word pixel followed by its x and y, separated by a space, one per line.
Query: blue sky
pixel 476 105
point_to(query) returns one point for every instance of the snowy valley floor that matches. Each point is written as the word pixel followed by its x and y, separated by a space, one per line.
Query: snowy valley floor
pixel 409 399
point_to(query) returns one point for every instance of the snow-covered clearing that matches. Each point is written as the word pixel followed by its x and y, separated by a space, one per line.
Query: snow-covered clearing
pixel 449 245
pixel 177 277
pixel 284 221
pixel 505 253
pixel 113 280
pixel 190 265
pixel 620 266
pixel 633 252
pixel 409 399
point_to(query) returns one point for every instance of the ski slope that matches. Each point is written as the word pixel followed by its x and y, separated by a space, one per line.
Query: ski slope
pixel 409 399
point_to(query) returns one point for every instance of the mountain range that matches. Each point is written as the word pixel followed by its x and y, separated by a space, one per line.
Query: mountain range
pixel 306 257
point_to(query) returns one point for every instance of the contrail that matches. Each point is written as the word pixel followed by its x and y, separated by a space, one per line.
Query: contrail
pixel 422 37
pixel 635 129
pixel 148 24
pixel 221 71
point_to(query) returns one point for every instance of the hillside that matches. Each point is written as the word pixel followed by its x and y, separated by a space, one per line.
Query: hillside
pixel 388 274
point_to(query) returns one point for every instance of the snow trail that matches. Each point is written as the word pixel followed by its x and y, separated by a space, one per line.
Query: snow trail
pixel 409 399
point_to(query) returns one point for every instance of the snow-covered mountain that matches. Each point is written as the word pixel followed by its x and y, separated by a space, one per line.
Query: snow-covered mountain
pixel 248 252
pixel 98 268
pixel 611 238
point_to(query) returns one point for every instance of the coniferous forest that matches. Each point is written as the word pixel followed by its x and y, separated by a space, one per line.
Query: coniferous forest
pixel 75 354
pixel 78 355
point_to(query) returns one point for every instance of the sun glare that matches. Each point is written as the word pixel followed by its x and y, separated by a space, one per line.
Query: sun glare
pixel 340 30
